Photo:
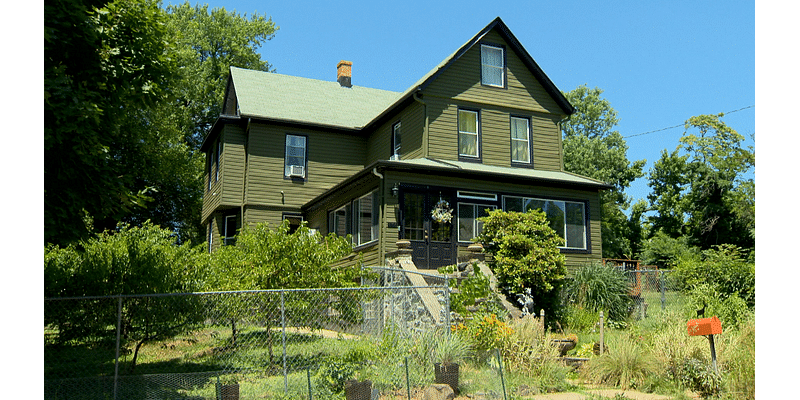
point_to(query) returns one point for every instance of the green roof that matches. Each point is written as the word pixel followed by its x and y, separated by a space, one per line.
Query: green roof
pixel 309 101
pixel 519 173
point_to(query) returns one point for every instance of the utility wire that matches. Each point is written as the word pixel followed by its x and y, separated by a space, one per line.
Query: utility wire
pixel 677 126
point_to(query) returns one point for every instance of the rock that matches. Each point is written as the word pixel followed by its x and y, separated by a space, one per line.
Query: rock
pixel 438 391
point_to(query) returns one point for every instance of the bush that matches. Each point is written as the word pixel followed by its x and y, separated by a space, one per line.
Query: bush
pixel 627 364
pixel 699 377
pixel 526 256
pixel 597 287
pixel 486 333
pixel 725 268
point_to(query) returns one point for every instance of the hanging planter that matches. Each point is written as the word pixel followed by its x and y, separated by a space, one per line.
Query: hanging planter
pixel 442 212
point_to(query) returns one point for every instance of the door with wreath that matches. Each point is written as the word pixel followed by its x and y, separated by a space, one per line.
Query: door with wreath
pixel 427 222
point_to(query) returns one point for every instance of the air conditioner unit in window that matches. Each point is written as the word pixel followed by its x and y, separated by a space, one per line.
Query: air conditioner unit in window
pixel 297 170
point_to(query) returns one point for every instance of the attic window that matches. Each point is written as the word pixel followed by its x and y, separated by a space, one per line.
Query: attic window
pixel 493 69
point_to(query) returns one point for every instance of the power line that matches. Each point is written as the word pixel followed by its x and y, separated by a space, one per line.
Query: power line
pixel 677 126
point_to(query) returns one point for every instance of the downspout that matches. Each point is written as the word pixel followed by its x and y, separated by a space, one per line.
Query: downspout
pixel 425 133
pixel 382 218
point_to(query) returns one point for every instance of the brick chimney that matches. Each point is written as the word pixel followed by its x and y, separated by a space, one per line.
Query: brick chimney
pixel 344 73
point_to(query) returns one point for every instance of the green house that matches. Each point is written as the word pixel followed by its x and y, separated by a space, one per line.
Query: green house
pixel 480 131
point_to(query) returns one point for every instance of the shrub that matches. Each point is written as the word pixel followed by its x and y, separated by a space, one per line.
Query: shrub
pixel 530 353
pixel 626 364
pixel 699 377
pixel 486 333
pixel 526 255
pixel 597 288
pixel 725 268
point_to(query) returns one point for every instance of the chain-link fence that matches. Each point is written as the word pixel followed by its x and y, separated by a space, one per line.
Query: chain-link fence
pixel 653 290
pixel 256 343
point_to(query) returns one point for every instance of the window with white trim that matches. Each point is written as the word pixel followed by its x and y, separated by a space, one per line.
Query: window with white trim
pixel 468 224
pixel 396 141
pixel 493 68
pixel 295 160
pixel 468 134
pixel 219 155
pixel 210 234
pixel 359 218
pixel 520 140
pixel 567 218
pixel 230 230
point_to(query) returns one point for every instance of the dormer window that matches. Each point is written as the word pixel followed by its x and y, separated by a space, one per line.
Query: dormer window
pixel 493 66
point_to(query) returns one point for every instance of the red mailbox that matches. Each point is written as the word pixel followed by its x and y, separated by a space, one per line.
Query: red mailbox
pixel 704 326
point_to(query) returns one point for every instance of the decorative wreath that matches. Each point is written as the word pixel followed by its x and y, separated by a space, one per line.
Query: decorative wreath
pixel 442 212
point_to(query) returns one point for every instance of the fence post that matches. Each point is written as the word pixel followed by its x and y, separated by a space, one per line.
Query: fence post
pixel 283 339
pixel 116 358
pixel 663 290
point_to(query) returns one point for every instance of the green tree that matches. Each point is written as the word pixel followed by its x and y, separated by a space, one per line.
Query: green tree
pixel 129 261
pixel 266 258
pixel 525 255
pixel 103 59
pixel 593 148
pixel 700 189
pixel 209 42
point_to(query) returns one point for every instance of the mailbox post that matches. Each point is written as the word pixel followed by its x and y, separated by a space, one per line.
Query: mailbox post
pixel 706 327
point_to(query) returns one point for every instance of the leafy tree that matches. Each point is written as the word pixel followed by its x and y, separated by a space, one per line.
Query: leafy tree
pixel 525 255
pixel 209 42
pixel 102 60
pixel 266 258
pixel 700 189
pixel 128 261
pixel 593 148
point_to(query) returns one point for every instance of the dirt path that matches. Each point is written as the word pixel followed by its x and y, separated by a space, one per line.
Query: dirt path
pixel 609 393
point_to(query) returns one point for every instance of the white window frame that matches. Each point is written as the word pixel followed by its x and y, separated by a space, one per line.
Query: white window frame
pixel 476 225
pixel 287 170
pixel 527 140
pixel 229 236
pixel 219 156
pixel 486 67
pixel 352 214
pixel 210 234
pixel 464 194
pixel 567 228
pixel 396 141
pixel 476 134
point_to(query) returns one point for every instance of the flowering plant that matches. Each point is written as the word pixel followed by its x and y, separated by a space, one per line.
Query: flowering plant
pixel 442 212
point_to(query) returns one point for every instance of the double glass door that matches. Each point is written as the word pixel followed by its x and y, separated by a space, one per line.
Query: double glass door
pixel 432 241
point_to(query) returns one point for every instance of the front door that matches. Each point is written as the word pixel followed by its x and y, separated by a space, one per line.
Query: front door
pixel 432 241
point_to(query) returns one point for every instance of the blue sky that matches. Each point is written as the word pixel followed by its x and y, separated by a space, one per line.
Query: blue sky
pixel 659 63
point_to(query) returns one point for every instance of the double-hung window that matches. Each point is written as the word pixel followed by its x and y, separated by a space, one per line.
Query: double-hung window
pixel 396 141
pixel 468 224
pixel 493 63
pixel 468 134
pixel 359 218
pixel 520 140
pixel 295 161
pixel 567 218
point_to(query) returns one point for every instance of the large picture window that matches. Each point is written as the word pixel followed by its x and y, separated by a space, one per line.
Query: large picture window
pixel 520 140
pixel 295 160
pixel 493 69
pixel 360 218
pixel 468 134
pixel 468 224
pixel 567 218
